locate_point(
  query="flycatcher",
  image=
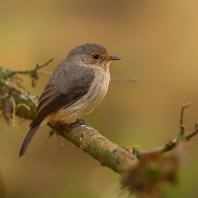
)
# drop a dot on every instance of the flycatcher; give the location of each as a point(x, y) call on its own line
point(76, 87)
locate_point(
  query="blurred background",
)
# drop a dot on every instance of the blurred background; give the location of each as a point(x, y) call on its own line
point(157, 41)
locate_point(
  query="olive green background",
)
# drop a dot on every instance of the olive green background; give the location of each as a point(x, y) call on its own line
point(158, 44)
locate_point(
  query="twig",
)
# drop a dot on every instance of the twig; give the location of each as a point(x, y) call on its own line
point(49, 73)
point(172, 144)
point(25, 94)
point(14, 107)
point(43, 65)
point(23, 105)
point(133, 80)
point(29, 72)
point(192, 134)
point(32, 73)
point(13, 113)
point(45, 73)
point(182, 127)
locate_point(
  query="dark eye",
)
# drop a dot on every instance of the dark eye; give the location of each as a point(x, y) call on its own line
point(96, 56)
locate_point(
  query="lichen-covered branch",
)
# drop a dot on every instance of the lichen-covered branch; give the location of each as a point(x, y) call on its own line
point(142, 171)
point(92, 142)
point(13, 95)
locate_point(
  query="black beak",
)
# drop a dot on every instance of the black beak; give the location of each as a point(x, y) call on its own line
point(113, 58)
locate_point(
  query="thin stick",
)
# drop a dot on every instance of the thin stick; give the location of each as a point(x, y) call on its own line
point(172, 144)
point(133, 80)
point(59, 138)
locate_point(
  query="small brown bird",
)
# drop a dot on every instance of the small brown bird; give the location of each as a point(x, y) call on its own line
point(76, 87)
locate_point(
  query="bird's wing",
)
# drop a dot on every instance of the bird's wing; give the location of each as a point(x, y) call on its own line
point(66, 86)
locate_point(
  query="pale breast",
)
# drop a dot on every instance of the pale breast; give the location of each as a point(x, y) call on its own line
point(87, 103)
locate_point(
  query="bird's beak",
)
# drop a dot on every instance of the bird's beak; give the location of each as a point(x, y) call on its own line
point(113, 58)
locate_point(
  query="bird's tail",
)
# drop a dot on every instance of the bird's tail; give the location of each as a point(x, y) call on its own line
point(28, 139)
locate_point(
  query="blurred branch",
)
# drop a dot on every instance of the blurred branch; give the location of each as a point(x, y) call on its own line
point(45, 73)
point(2, 186)
point(13, 96)
point(128, 162)
point(132, 80)
point(33, 74)
point(181, 139)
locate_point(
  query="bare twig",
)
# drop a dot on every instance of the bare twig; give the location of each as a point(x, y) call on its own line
point(45, 64)
point(182, 137)
point(25, 94)
point(133, 80)
point(182, 127)
point(192, 134)
point(45, 73)
point(13, 114)
point(34, 73)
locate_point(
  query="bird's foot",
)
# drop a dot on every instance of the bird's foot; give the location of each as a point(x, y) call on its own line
point(78, 122)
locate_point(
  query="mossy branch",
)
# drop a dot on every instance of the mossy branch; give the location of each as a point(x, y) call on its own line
point(132, 164)
point(100, 148)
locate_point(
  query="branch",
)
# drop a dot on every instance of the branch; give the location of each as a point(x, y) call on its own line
point(132, 80)
point(33, 74)
point(130, 163)
point(88, 139)
point(181, 139)
point(100, 148)
point(11, 88)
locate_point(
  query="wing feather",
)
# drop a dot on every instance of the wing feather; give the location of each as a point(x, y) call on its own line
point(65, 87)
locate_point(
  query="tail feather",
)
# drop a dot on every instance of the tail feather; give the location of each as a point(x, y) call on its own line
point(28, 139)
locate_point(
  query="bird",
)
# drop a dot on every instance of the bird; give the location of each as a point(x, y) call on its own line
point(77, 85)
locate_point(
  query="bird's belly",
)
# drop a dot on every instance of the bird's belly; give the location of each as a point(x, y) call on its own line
point(84, 105)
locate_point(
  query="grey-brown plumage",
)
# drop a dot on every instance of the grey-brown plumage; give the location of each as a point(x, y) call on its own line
point(75, 88)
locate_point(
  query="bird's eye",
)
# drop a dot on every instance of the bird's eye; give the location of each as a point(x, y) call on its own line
point(96, 56)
